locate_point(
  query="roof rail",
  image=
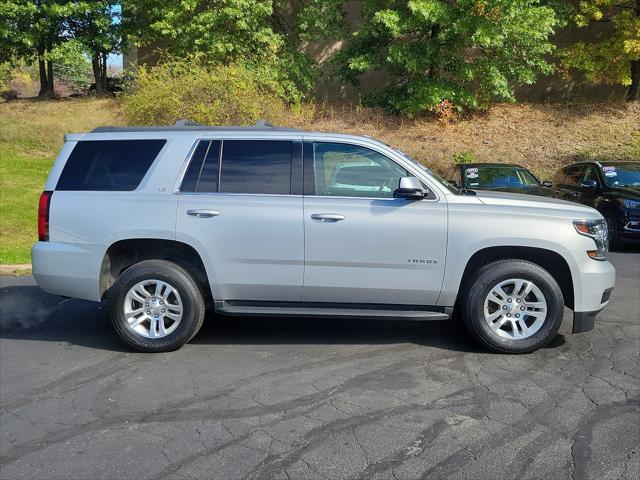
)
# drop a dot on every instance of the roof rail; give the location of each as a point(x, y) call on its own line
point(187, 123)
point(262, 123)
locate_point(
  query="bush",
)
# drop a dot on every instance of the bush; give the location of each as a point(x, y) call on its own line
point(463, 157)
point(208, 94)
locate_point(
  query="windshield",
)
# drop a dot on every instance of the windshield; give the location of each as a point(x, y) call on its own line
point(622, 174)
point(427, 170)
point(496, 176)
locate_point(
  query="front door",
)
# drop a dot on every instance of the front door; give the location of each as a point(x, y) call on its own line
point(362, 245)
point(238, 203)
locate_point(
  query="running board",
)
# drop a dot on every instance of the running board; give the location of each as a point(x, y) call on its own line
point(268, 311)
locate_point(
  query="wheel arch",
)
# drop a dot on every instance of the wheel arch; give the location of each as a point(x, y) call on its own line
point(122, 254)
point(551, 261)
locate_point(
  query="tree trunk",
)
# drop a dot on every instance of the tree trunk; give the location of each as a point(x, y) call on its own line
point(634, 88)
point(632, 93)
point(43, 75)
point(103, 72)
point(50, 88)
point(97, 72)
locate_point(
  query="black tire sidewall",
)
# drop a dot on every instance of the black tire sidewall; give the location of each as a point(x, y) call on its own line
point(496, 272)
point(612, 235)
point(178, 278)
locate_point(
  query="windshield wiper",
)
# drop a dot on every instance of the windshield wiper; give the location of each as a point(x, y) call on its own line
point(466, 191)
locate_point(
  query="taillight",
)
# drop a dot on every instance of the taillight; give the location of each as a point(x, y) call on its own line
point(43, 216)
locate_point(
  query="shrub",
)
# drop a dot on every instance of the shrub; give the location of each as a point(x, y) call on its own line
point(463, 157)
point(209, 94)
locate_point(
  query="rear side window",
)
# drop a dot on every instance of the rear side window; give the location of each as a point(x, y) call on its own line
point(202, 173)
point(256, 166)
point(108, 165)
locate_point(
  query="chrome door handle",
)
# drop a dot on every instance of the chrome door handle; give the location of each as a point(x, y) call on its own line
point(327, 217)
point(203, 213)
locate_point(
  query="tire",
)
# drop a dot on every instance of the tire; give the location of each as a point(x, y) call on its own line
point(540, 329)
point(612, 231)
point(179, 307)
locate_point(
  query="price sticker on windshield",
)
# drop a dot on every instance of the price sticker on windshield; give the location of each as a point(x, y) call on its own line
point(609, 171)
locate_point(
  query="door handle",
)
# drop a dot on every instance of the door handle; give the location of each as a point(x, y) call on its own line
point(203, 213)
point(327, 217)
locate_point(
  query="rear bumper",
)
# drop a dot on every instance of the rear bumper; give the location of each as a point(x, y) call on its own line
point(70, 270)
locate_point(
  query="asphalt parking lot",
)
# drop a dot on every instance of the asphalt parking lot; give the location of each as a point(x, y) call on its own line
point(298, 399)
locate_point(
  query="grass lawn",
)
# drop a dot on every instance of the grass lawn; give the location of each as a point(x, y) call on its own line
point(31, 134)
point(539, 137)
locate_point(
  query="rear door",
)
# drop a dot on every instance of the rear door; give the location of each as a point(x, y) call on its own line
point(238, 203)
point(362, 245)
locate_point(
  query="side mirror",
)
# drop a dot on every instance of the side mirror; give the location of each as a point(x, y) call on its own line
point(410, 188)
point(547, 184)
point(589, 185)
point(454, 183)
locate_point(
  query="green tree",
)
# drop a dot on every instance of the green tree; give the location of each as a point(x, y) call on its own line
point(96, 24)
point(255, 32)
point(467, 52)
point(614, 59)
point(32, 29)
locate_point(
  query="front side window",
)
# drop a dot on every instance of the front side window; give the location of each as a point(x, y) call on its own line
point(591, 174)
point(108, 165)
point(574, 176)
point(347, 170)
point(256, 166)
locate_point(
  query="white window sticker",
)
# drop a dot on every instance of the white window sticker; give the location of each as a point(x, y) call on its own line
point(610, 174)
point(608, 169)
point(471, 172)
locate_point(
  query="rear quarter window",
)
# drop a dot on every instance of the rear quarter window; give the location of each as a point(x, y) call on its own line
point(108, 165)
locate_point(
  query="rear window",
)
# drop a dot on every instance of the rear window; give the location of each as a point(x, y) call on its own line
point(108, 165)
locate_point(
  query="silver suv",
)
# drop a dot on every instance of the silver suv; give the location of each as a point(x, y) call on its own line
point(165, 222)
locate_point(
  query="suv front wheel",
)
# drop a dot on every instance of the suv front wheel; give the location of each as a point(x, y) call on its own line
point(156, 306)
point(513, 306)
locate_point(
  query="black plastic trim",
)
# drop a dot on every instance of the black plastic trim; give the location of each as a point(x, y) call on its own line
point(584, 321)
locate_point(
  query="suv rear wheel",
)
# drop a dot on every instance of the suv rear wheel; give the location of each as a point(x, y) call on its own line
point(513, 306)
point(156, 306)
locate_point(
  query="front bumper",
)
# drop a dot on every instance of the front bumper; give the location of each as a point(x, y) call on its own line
point(584, 321)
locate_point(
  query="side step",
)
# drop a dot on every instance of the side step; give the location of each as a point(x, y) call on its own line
point(225, 308)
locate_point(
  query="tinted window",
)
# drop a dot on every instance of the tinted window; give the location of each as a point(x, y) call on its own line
point(574, 175)
point(116, 165)
point(353, 171)
point(202, 173)
point(256, 166)
point(591, 174)
point(498, 176)
point(558, 178)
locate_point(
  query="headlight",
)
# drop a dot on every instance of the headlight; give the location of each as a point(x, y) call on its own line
point(631, 204)
point(597, 230)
